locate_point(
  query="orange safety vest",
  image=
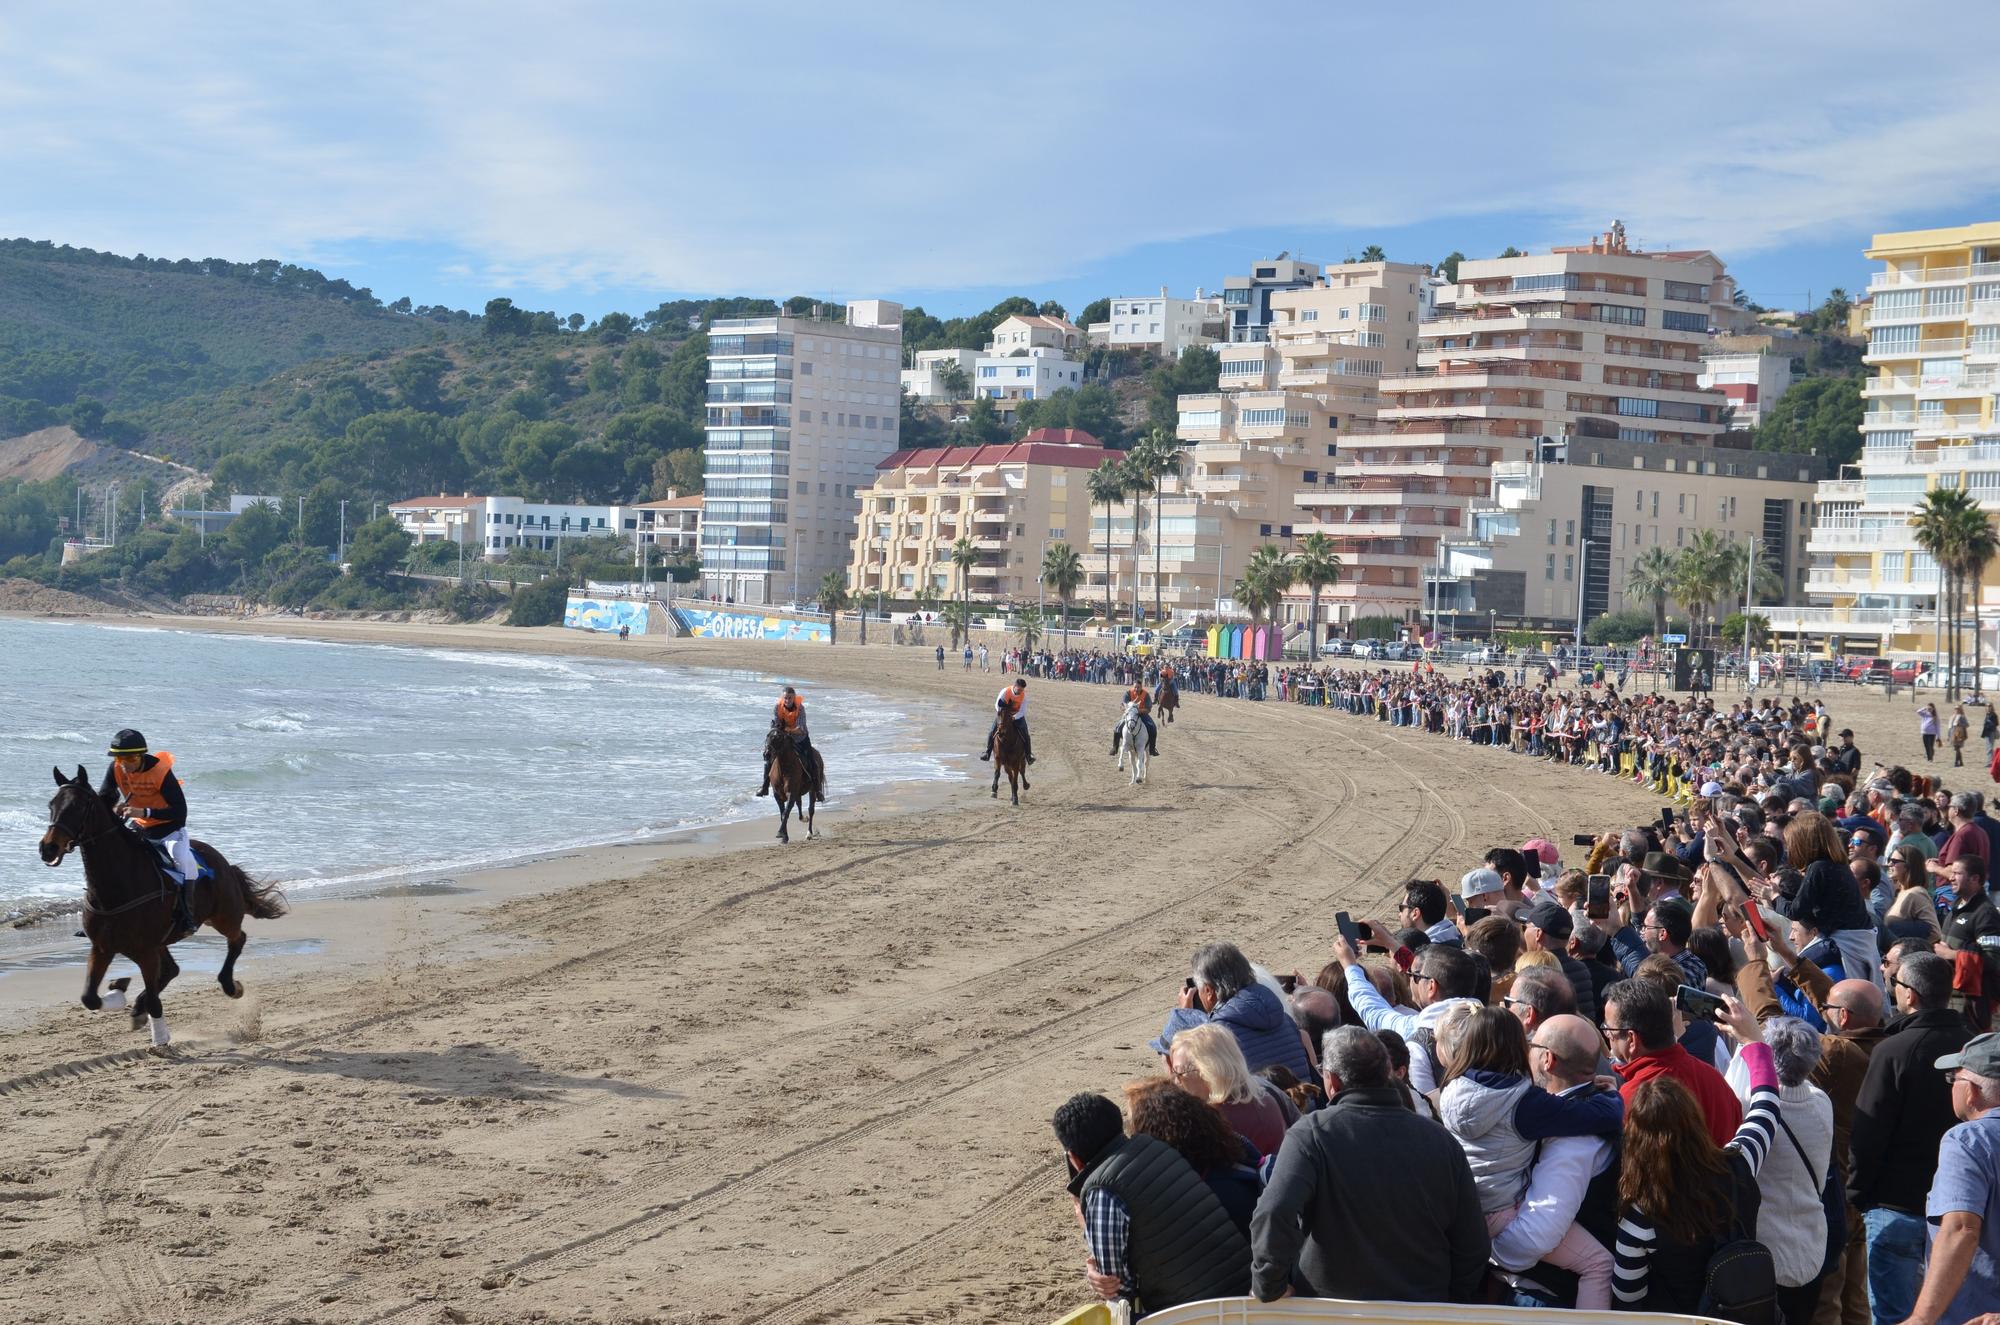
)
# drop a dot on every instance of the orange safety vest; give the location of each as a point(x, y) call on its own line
point(1137, 694)
point(1166, 673)
point(1010, 700)
point(789, 714)
point(142, 789)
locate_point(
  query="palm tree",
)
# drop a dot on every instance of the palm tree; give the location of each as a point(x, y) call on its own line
point(1701, 574)
point(1978, 544)
point(1062, 571)
point(958, 620)
point(1030, 623)
point(1156, 456)
point(1316, 566)
point(954, 381)
point(1108, 485)
point(1265, 578)
point(965, 557)
point(1941, 522)
point(1652, 578)
point(833, 597)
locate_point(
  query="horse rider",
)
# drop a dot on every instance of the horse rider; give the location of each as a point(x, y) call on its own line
point(1012, 699)
point(1136, 693)
point(152, 802)
point(791, 711)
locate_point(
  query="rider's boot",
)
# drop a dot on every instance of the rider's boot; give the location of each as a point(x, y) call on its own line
point(987, 757)
point(184, 924)
point(1114, 744)
point(764, 787)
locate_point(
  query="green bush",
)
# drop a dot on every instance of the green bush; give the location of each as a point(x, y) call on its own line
point(539, 604)
point(1375, 627)
point(465, 601)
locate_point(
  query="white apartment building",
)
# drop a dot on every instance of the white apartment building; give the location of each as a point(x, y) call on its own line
point(1751, 383)
point(799, 412)
point(1167, 326)
point(495, 525)
point(1029, 359)
point(926, 377)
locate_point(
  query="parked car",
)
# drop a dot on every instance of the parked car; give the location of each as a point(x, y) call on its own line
point(1484, 656)
point(1408, 651)
point(1336, 647)
point(1986, 679)
point(1368, 648)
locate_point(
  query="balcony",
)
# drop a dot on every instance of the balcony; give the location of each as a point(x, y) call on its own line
point(1888, 418)
point(1914, 349)
point(1891, 280)
point(1875, 620)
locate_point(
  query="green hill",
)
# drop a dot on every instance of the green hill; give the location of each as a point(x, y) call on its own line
point(86, 335)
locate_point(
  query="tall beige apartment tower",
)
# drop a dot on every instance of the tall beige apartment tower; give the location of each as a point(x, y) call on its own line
point(1593, 341)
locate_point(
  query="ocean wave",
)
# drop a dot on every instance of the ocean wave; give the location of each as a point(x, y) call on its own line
point(276, 722)
point(43, 736)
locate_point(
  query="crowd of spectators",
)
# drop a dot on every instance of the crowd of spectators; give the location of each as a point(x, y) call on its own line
point(1737, 1063)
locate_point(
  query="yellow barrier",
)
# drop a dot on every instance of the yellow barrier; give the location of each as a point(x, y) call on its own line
point(1327, 1311)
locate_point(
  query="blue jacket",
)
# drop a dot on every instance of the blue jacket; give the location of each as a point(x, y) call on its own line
point(1264, 1031)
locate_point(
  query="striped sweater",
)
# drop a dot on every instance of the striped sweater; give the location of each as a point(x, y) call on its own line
point(1636, 1234)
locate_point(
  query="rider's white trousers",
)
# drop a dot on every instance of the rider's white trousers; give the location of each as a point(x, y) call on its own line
point(176, 844)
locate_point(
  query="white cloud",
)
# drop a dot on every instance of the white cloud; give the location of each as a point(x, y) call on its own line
point(862, 149)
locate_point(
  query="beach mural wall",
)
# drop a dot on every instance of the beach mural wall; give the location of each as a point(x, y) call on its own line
point(717, 623)
point(606, 614)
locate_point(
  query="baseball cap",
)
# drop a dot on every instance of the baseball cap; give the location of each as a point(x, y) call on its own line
point(1551, 916)
point(1711, 788)
point(1980, 1056)
point(1541, 847)
point(1477, 883)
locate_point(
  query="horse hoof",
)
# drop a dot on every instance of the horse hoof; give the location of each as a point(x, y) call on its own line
point(234, 990)
point(93, 1002)
point(162, 1037)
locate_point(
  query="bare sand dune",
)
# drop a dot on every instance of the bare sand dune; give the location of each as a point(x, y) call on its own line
point(790, 1084)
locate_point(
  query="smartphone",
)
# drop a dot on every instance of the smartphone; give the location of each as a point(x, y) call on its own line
point(1289, 983)
point(1755, 919)
point(1699, 1005)
point(1667, 819)
point(1348, 929)
point(1599, 902)
point(1188, 984)
point(1457, 904)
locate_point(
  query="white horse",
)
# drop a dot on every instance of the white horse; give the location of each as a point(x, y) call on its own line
point(1132, 741)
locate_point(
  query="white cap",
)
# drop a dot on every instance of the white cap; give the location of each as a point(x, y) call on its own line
point(1479, 882)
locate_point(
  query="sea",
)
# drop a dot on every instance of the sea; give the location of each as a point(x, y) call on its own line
point(329, 766)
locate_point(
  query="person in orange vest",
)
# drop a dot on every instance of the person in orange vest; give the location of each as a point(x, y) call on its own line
point(791, 711)
point(150, 799)
point(1012, 699)
point(1136, 694)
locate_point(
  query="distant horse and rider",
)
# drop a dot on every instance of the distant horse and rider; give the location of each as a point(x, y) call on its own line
point(1131, 741)
point(1167, 695)
point(133, 907)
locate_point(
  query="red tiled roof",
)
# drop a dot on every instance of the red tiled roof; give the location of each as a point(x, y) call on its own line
point(1062, 437)
point(670, 504)
point(435, 503)
point(1030, 451)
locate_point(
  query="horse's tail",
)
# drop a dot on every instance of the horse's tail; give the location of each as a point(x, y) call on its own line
point(262, 900)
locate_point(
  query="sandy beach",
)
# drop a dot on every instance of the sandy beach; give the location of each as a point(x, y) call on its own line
point(725, 1080)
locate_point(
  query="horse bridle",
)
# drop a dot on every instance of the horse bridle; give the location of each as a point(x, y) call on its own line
point(75, 840)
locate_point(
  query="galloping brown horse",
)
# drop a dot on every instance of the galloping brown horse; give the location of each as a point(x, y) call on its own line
point(1010, 755)
point(793, 785)
point(128, 904)
point(1167, 698)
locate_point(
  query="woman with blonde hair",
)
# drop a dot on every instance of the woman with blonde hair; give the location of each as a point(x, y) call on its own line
point(1535, 957)
point(1207, 1063)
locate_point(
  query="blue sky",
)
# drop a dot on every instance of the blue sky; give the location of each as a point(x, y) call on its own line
point(591, 157)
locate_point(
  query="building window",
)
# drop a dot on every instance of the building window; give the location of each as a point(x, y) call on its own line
point(1549, 567)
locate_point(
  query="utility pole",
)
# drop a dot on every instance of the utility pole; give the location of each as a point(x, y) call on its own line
point(340, 550)
point(1749, 595)
point(302, 521)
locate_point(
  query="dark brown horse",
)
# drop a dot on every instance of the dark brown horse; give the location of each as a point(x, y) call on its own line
point(128, 904)
point(1010, 755)
point(793, 786)
point(1167, 698)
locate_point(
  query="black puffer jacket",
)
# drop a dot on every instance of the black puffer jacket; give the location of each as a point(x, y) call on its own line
point(1184, 1247)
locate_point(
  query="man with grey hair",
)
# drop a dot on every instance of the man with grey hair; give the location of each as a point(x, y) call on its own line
point(1539, 993)
point(1223, 988)
point(1963, 1207)
point(1366, 1200)
point(1573, 1179)
point(1903, 1111)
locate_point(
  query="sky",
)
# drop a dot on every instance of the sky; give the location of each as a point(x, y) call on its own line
point(589, 157)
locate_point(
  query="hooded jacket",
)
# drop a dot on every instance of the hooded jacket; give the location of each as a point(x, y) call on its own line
point(1264, 1031)
point(1501, 1119)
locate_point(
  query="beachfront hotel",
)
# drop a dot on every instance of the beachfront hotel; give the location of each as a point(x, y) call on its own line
point(1012, 500)
point(1534, 356)
point(1934, 355)
point(800, 409)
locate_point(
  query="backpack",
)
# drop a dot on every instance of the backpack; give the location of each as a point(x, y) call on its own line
point(1739, 1283)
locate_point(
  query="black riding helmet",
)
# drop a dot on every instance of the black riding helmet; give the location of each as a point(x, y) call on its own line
point(128, 742)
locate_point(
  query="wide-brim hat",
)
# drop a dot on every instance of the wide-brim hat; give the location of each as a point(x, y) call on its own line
point(1663, 865)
